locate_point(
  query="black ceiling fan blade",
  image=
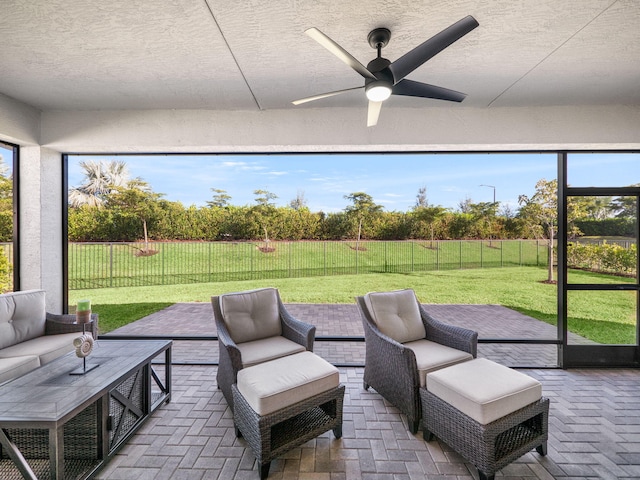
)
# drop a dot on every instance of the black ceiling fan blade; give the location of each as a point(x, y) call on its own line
point(411, 60)
point(324, 95)
point(339, 52)
point(417, 89)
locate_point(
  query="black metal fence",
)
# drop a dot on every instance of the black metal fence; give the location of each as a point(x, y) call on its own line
point(104, 265)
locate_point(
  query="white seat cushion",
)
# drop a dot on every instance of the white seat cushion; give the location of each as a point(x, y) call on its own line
point(266, 349)
point(484, 390)
point(251, 315)
point(277, 384)
point(46, 347)
point(22, 316)
point(17, 366)
point(432, 356)
point(396, 314)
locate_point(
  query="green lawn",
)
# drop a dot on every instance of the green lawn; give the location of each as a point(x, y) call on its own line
point(519, 288)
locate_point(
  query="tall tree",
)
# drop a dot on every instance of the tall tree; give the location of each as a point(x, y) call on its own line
point(220, 199)
point(363, 207)
point(596, 208)
point(265, 209)
point(264, 198)
point(100, 179)
point(540, 213)
point(138, 199)
point(484, 213)
point(429, 215)
point(363, 204)
point(625, 207)
point(299, 202)
point(421, 198)
point(464, 206)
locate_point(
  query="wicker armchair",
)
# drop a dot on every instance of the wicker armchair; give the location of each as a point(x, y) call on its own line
point(403, 344)
point(254, 327)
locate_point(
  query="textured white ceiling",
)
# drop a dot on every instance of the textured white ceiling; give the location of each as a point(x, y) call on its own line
point(254, 55)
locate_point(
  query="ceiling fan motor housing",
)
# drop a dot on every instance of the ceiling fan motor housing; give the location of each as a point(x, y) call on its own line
point(379, 67)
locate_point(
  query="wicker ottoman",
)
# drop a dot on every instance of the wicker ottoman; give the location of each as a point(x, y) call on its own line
point(488, 413)
point(283, 403)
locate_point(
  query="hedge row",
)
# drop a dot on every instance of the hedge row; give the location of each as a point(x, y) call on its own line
point(605, 257)
point(608, 227)
point(174, 222)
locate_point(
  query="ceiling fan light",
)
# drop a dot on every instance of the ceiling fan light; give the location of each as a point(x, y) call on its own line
point(378, 91)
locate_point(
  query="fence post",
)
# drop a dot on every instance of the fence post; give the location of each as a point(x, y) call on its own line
point(162, 254)
point(460, 244)
point(501, 253)
point(110, 264)
point(413, 246)
point(324, 244)
point(386, 261)
point(481, 253)
point(210, 262)
point(520, 252)
point(437, 255)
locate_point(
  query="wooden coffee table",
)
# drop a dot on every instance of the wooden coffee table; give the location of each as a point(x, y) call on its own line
point(57, 425)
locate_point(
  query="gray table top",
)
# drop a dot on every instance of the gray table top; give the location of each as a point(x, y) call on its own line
point(51, 395)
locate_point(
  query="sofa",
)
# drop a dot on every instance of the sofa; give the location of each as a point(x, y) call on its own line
point(30, 336)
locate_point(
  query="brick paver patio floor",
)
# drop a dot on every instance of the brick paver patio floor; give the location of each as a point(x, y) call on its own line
point(594, 423)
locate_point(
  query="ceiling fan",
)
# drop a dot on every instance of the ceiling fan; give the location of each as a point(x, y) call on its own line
point(383, 78)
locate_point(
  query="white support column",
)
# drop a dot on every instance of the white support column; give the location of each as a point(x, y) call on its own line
point(41, 223)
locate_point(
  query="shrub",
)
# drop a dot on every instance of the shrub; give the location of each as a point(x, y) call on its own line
point(6, 280)
point(605, 257)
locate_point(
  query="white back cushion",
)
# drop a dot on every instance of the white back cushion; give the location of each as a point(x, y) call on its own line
point(396, 314)
point(22, 316)
point(251, 315)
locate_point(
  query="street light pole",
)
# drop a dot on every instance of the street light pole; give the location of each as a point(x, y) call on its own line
point(494, 191)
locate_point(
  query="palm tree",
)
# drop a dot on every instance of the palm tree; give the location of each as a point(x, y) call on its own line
point(101, 179)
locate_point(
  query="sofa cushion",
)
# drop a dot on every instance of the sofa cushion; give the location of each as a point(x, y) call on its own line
point(432, 356)
point(465, 387)
point(22, 316)
point(266, 349)
point(46, 347)
point(14, 367)
point(280, 383)
point(251, 315)
point(396, 314)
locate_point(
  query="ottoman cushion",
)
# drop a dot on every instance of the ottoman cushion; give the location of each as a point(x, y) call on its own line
point(484, 390)
point(282, 382)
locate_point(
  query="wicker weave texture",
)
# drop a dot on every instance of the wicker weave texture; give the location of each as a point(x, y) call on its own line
point(391, 368)
point(80, 453)
point(126, 415)
point(489, 447)
point(272, 435)
point(56, 324)
point(80, 438)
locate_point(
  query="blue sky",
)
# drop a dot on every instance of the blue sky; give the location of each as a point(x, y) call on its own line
point(392, 180)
